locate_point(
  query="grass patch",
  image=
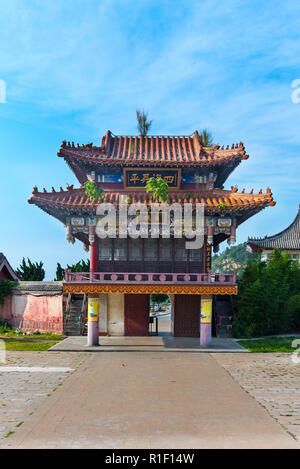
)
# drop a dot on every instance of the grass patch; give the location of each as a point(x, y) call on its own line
point(8, 434)
point(29, 343)
point(271, 344)
point(47, 336)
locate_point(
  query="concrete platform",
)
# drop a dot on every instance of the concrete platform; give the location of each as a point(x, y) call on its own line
point(165, 342)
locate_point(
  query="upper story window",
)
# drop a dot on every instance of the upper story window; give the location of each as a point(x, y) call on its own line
point(150, 248)
point(120, 249)
point(135, 249)
point(105, 249)
point(195, 254)
point(165, 249)
point(180, 250)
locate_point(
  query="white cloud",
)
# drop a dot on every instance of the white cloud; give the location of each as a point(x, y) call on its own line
point(227, 66)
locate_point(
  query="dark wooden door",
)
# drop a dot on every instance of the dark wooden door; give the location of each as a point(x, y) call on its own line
point(137, 315)
point(187, 316)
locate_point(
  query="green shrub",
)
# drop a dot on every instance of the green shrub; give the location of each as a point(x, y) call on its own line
point(5, 289)
point(293, 308)
point(4, 328)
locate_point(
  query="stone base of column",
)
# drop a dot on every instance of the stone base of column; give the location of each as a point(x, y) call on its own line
point(93, 334)
point(205, 335)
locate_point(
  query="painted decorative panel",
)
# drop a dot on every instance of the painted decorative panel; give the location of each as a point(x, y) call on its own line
point(110, 176)
point(193, 178)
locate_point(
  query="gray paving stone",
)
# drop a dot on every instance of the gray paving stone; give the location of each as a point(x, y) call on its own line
point(22, 393)
point(273, 380)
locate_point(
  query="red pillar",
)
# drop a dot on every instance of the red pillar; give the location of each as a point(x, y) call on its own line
point(93, 300)
point(94, 255)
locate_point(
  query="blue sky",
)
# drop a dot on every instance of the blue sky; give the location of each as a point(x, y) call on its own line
point(74, 69)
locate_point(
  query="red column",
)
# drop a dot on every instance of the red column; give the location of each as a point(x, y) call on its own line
point(94, 255)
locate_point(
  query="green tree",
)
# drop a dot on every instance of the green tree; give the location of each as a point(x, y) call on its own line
point(159, 188)
point(268, 298)
point(159, 297)
point(143, 124)
point(5, 288)
point(60, 272)
point(205, 138)
point(233, 258)
point(31, 271)
point(81, 266)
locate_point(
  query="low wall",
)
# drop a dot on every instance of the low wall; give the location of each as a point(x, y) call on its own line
point(34, 306)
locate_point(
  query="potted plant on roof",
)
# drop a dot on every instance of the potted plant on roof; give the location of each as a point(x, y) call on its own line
point(159, 188)
point(93, 191)
point(222, 206)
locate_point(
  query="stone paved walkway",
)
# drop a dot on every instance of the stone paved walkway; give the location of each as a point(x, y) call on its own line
point(273, 380)
point(157, 400)
point(22, 392)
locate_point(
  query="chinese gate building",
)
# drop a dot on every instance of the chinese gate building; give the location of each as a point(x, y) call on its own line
point(125, 271)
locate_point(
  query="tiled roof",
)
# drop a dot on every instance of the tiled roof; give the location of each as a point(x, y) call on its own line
point(152, 151)
point(37, 288)
point(6, 267)
point(286, 239)
point(77, 201)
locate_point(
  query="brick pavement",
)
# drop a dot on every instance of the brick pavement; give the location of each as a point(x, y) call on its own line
point(273, 380)
point(22, 392)
point(152, 400)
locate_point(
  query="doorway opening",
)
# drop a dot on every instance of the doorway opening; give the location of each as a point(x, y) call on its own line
point(160, 318)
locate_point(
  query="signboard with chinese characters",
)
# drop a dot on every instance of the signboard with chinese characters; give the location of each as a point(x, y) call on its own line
point(137, 178)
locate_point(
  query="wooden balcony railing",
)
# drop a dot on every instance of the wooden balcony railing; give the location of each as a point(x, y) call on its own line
point(146, 277)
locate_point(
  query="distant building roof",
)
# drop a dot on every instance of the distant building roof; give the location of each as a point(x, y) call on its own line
point(6, 271)
point(286, 239)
